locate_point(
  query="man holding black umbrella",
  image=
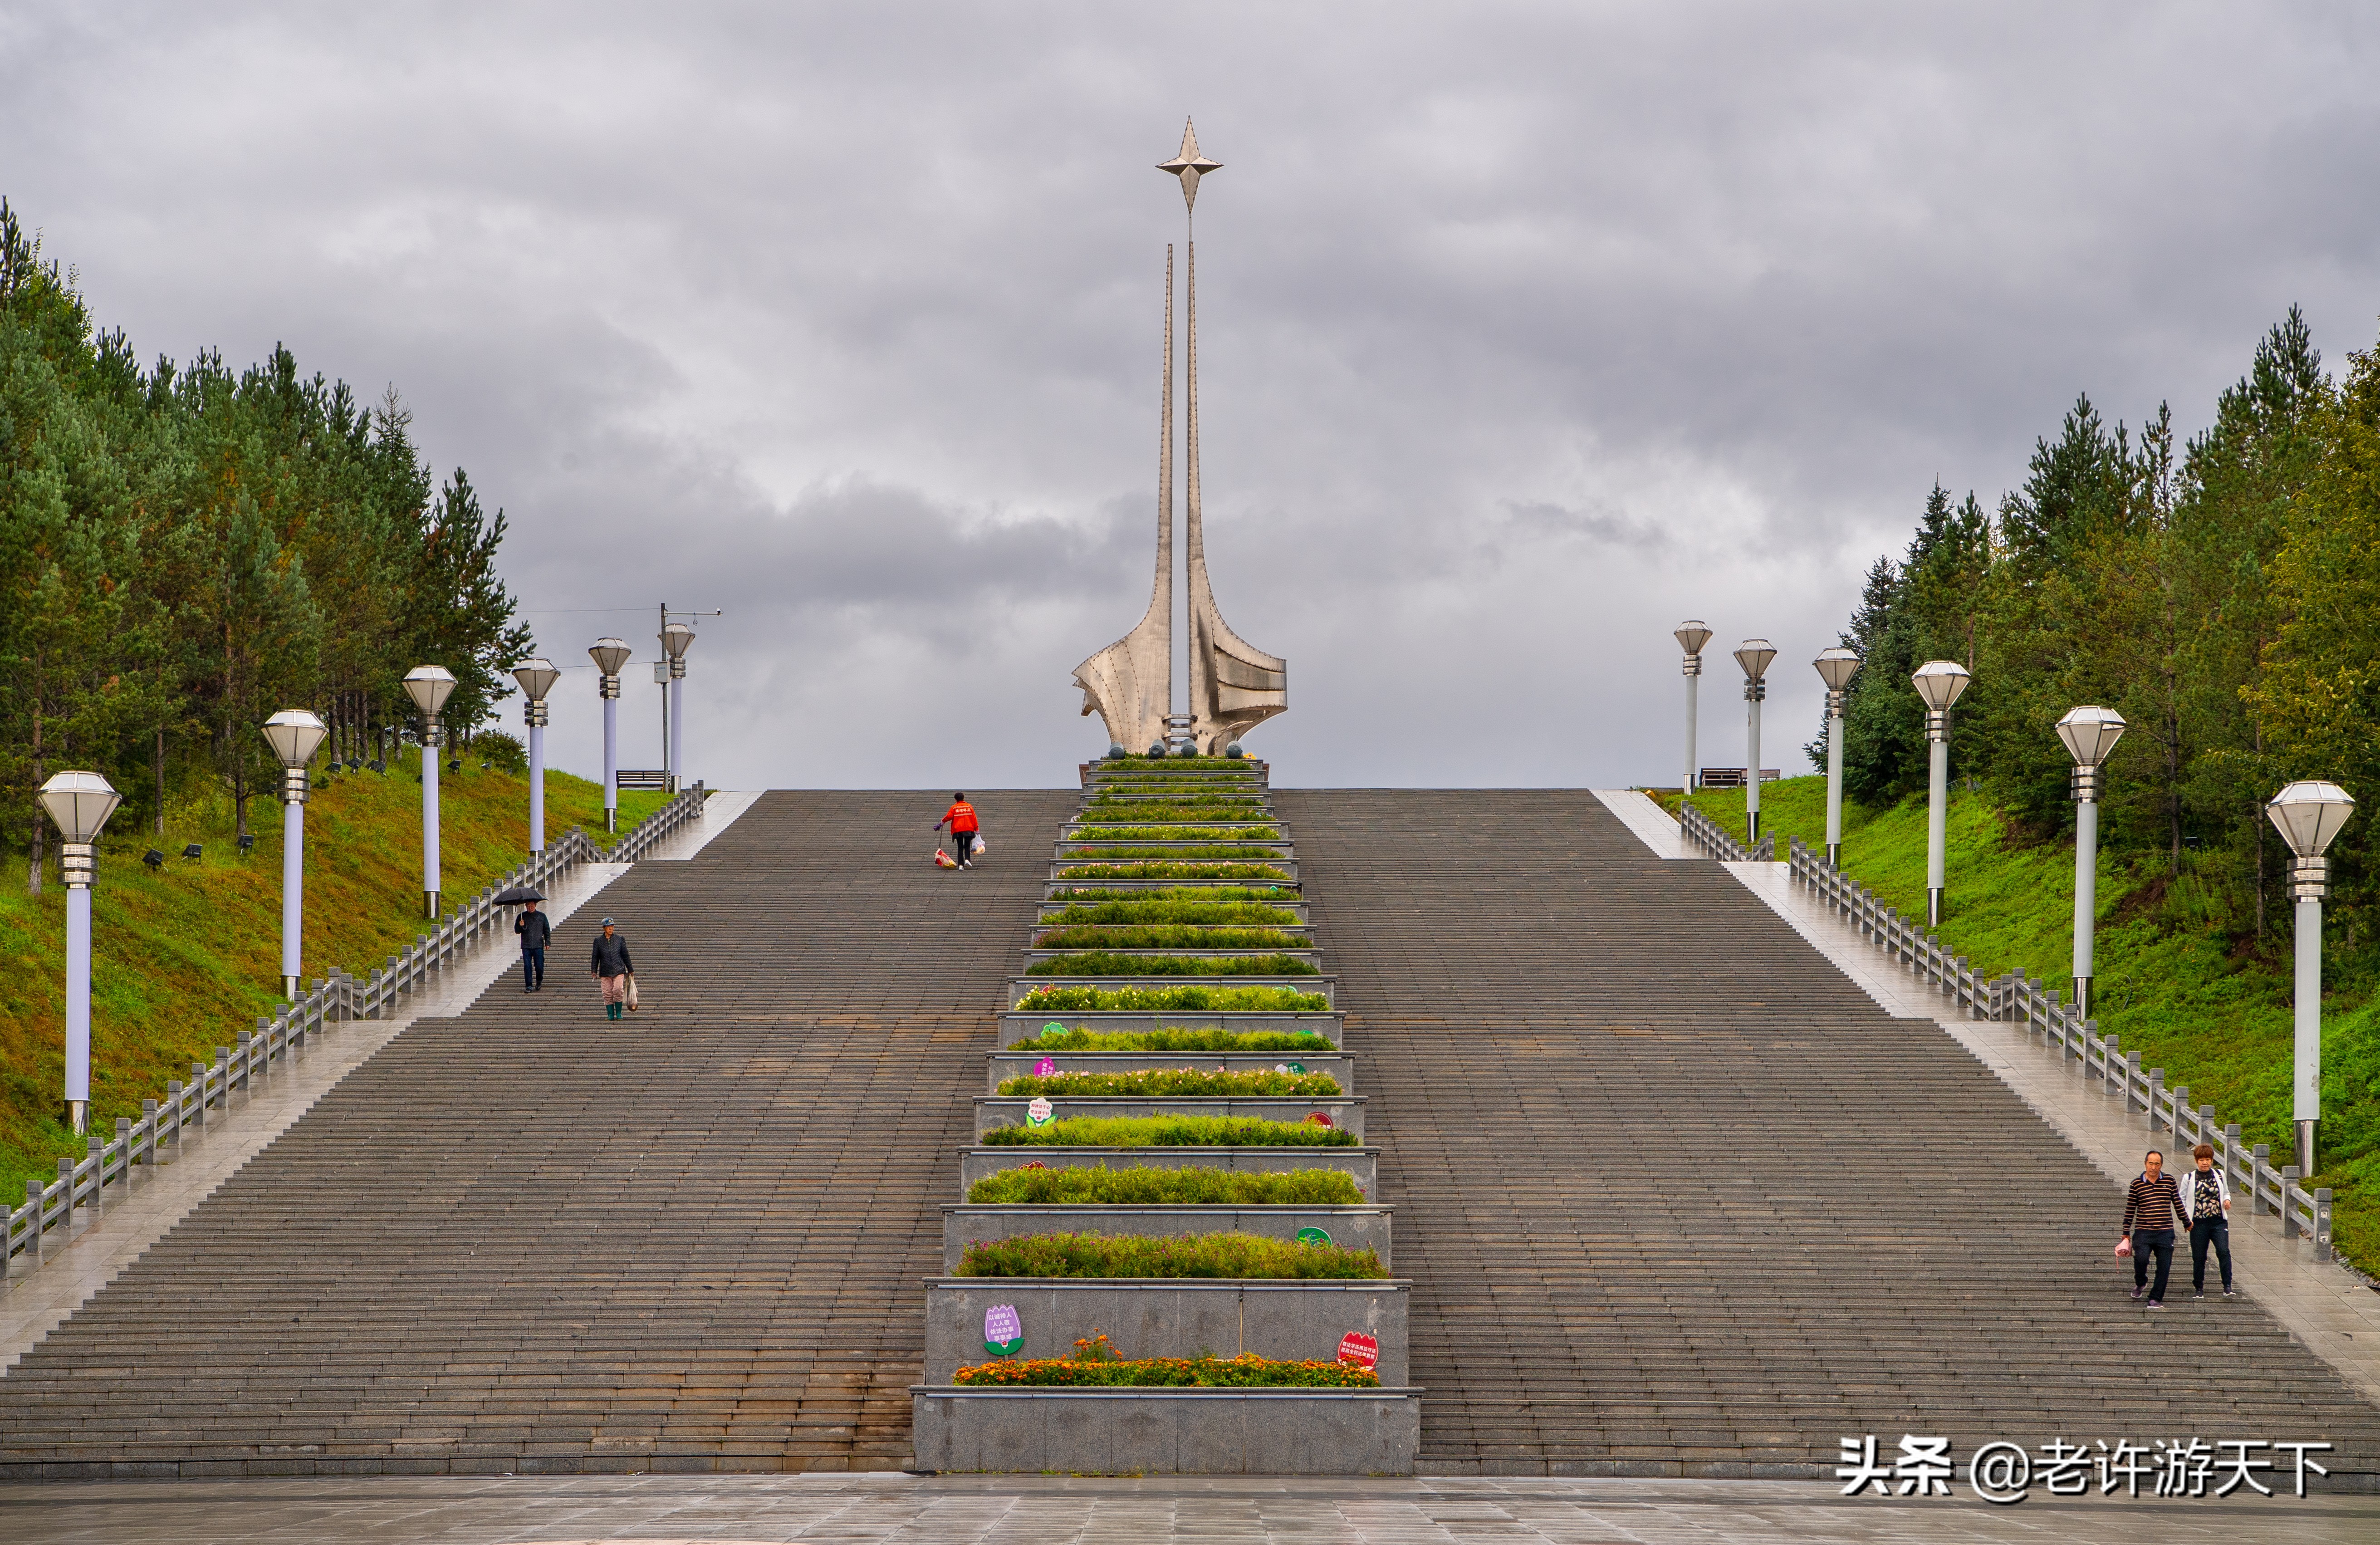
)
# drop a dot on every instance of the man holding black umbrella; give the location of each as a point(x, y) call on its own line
point(535, 929)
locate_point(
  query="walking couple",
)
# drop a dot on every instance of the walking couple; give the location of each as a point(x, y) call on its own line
point(2158, 1205)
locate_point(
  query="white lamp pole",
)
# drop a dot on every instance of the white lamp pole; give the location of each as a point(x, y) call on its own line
point(2089, 733)
point(1692, 637)
point(610, 655)
point(428, 685)
point(1835, 667)
point(537, 677)
point(2309, 814)
point(293, 735)
point(1754, 656)
point(1939, 681)
point(675, 637)
point(80, 804)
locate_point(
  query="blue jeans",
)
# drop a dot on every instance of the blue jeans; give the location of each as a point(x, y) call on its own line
point(2148, 1242)
point(2203, 1232)
point(532, 969)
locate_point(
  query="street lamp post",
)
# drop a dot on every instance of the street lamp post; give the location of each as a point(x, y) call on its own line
point(675, 637)
point(1835, 667)
point(1692, 637)
point(2309, 814)
point(428, 685)
point(293, 735)
point(80, 803)
point(610, 655)
point(1939, 681)
point(537, 677)
point(2089, 733)
point(1754, 656)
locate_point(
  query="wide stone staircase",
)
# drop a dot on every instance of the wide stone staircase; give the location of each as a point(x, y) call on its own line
point(1676, 1195)
point(527, 1239)
point(1672, 1194)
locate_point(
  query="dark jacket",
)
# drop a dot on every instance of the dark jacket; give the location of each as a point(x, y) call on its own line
point(534, 928)
point(612, 956)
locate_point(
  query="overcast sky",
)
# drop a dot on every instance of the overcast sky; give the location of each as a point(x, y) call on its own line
point(1527, 330)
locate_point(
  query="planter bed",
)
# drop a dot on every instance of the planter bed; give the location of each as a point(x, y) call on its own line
point(1346, 1112)
point(1326, 987)
point(1271, 871)
point(1176, 1082)
point(1162, 1431)
point(1209, 831)
point(1017, 1064)
point(1273, 960)
point(1194, 938)
point(1016, 1027)
point(1293, 1320)
point(1221, 850)
point(1359, 1228)
point(1361, 1163)
point(1295, 914)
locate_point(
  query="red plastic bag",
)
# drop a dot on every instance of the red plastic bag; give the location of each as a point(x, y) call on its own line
point(943, 861)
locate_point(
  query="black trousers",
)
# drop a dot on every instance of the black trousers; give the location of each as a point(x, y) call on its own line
point(532, 969)
point(2205, 1230)
point(964, 843)
point(2156, 1242)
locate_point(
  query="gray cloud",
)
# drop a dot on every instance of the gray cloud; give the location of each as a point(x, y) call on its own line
point(1527, 329)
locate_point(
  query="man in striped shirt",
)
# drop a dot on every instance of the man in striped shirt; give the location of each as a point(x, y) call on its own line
point(2150, 1210)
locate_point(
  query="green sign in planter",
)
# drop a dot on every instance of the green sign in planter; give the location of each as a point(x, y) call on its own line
point(1313, 1236)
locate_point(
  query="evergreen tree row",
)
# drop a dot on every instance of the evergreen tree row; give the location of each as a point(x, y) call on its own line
point(2223, 595)
point(184, 552)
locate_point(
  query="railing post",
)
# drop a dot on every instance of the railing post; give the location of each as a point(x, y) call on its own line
point(2257, 1165)
point(2322, 1224)
point(2131, 1076)
point(148, 1108)
point(2290, 1178)
point(2157, 1092)
point(2180, 1112)
point(2231, 1151)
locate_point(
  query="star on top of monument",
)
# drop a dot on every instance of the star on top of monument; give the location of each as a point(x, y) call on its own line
point(1189, 165)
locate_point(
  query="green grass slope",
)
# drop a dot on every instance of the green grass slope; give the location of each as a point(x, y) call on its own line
point(185, 958)
point(2174, 983)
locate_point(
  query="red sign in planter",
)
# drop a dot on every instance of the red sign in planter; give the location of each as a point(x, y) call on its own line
point(1360, 1349)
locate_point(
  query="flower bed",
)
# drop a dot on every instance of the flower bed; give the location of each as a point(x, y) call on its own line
point(1105, 963)
point(1163, 908)
point(1267, 897)
point(1183, 806)
point(1180, 1082)
point(1096, 1363)
point(1097, 1185)
point(1215, 852)
point(1160, 1000)
point(1175, 870)
point(1235, 1256)
point(1170, 1132)
point(1163, 936)
point(1177, 1041)
point(1175, 834)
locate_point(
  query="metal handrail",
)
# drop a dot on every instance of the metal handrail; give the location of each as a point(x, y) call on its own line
point(1707, 833)
point(340, 996)
point(2021, 998)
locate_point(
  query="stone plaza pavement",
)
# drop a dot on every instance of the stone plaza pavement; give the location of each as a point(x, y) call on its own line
point(1021, 1510)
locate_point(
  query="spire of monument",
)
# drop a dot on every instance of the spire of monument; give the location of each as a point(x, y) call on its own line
point(1189, 165)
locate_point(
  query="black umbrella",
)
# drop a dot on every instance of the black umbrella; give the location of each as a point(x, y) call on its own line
point(519, 894)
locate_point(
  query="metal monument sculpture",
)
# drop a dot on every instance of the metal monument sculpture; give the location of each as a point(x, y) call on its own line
point(1233, 686)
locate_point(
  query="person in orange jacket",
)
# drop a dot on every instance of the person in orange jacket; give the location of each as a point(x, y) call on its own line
point(960, 819)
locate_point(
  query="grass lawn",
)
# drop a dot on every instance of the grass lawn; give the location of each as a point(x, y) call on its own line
point(186, 956)
point(2173, 982)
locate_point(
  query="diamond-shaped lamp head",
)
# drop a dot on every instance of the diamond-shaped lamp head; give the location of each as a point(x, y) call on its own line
point(1692, 637)
point(2089, 733)
point(428, 685)
point(1835, 666)
point(1939, 681)
point(609, 655)
point(80, 803)
point(2309, 814)
point(294, 733)
point(1754, 657)
point(675, 639)
point(537, 677)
